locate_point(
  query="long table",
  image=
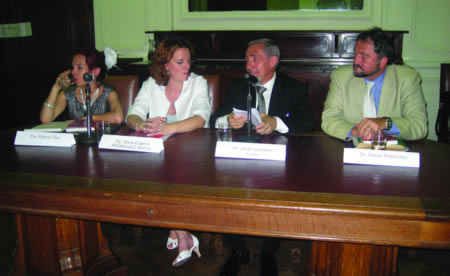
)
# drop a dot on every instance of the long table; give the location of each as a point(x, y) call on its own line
point(356, 216)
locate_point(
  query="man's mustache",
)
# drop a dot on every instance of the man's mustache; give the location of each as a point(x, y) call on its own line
point(357, 66)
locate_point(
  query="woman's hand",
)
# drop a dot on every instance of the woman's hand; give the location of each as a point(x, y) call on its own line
point(152, 126)
point(63, 80)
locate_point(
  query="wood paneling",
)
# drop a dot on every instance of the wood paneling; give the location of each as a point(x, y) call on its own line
point(329, 258)
point(31, 64)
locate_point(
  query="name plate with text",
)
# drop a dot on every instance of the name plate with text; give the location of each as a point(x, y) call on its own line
point(132, 143)
point(382, 157)
point(47, 139)
point(251, 150)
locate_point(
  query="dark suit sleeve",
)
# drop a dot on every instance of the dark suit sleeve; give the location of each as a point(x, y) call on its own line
point(236, 97)
point(290, 102)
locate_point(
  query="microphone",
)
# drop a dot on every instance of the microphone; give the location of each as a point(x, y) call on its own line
point(252, 80)
point(88, 77)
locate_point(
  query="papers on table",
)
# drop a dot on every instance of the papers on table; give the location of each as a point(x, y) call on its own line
point(79, 126)
point(393, 143)
point(395, 154)
point(67, 126)
point(50, 127)
point(390, 140)
point(41, 136)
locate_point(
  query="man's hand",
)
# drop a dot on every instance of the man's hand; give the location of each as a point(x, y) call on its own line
point(268, 125)
point(367, 126)
point(236, 121)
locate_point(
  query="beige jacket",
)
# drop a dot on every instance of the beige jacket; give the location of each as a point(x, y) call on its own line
point(401, 99)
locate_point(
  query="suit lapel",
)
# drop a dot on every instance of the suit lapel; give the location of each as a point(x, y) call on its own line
point(387, 90)
point(357, 96)
point(276, 99)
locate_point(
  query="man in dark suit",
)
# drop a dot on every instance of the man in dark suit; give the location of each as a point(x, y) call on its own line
point(286, 101)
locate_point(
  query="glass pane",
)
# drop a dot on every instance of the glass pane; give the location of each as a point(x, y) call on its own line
point(274, 5)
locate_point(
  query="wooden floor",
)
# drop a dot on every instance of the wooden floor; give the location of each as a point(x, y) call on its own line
point(148, 256)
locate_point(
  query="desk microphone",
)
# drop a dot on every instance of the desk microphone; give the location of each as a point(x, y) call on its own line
point(88, 78)
point(252, 80)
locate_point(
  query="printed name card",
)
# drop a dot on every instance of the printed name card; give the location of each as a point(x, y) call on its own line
point(382, 157)
point(132, 143)
point(32, 138)
point(251, 150)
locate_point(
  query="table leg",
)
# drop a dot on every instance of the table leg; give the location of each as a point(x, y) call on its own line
point(333, 258)
point(60, 246)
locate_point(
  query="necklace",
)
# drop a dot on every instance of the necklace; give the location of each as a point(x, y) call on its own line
point(93, 98)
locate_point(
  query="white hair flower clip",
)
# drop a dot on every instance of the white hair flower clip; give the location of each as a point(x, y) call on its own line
point(110, 57)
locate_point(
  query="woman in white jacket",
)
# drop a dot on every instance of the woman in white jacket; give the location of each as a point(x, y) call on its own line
point(172, 100)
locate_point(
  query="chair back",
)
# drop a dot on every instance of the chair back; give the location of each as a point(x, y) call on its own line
point(443, 117)
point(126, 87)
point(213, 81)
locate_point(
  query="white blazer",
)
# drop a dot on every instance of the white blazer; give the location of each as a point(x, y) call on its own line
point(193, 101)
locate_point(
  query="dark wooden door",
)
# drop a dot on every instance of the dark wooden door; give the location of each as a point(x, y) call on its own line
point(29, 65)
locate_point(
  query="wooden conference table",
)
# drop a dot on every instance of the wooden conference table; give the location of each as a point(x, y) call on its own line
point(356, 216)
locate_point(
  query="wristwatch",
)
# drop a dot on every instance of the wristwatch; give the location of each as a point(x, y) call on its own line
point(388, 123)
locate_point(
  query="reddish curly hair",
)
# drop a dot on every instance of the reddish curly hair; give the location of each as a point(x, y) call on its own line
point(163, 54)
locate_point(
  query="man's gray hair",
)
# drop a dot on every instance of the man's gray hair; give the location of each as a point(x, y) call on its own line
point(270, 48)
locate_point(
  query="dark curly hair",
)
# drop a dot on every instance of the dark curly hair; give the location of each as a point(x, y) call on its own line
point(383, 43)
point(94, 59)
point(164, 53)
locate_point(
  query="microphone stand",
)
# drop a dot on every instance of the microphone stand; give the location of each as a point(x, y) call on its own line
point(250, 138)
point(90, 138)
point(88, 110)
point(249, 109)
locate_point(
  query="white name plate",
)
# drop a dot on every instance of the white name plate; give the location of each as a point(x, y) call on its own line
point(382, 157)
point(27, 138)
point(132, 143)
point(251, 150)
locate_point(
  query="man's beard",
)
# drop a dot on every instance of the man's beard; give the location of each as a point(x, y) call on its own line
point(363, 74)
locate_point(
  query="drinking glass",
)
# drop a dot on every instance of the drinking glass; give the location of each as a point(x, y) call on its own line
point(224, 132)
point(65, 82)
point(102, 127)
point(378, 140)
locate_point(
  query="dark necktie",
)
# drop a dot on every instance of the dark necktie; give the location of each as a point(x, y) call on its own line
point(261, 101)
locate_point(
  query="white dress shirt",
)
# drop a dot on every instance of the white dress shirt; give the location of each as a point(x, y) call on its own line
point(152, 102)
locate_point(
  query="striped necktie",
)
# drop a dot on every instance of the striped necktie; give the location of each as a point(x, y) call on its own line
point(261, 101)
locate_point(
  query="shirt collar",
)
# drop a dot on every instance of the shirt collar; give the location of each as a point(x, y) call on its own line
point(269, 85)
point(378, 81)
